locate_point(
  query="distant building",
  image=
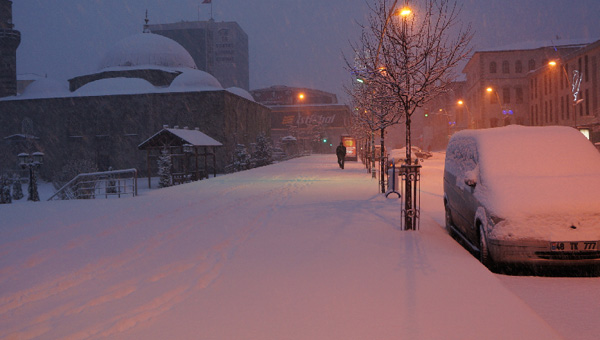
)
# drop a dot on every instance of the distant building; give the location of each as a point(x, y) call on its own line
point(9, 41)
point(219, 48)
point(567, 91)
point(520, 86)
point(312, 117)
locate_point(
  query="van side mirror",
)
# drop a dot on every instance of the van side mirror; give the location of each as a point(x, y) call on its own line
point(471, 177)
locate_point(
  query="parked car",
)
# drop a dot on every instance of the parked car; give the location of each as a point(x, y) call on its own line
point(399, 155)
point(524, 195)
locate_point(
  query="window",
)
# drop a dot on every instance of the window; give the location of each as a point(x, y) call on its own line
point(587, 102)
point(519, 95)
point(562, 108)
point(493, 67)
point(505, 67)
point(585, 69)
point(518, 67)
point(506, 95)
point(531, 65)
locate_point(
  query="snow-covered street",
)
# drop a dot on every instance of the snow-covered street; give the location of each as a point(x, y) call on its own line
point(295, 250)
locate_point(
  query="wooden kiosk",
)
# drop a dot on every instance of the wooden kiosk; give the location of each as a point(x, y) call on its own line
point(185, 147)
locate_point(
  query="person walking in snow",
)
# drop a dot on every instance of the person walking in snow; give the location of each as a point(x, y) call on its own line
point(340, 151)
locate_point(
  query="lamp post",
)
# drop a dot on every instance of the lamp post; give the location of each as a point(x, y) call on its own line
point(470, 124)
point(506, 112)
point(300, 99)
point(575, 86)
point(32, 162)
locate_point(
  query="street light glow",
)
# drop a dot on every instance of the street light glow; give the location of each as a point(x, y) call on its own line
point(489, 89)
point(301, 96)
point(460, 102)
point(405, 11)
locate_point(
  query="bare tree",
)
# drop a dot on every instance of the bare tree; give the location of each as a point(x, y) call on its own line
point(411, 57)
point(375, 110)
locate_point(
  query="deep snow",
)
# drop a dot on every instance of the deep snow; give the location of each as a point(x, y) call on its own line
point(296, 250)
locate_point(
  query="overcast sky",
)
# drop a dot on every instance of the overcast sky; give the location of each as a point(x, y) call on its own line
point(292, 42)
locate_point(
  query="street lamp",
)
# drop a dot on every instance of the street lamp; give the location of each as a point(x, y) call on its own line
point(301, 97)
point(575, 86)
point(470, 124)
point(32, 162)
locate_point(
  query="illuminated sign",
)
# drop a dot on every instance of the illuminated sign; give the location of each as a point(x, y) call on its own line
point(350, 144)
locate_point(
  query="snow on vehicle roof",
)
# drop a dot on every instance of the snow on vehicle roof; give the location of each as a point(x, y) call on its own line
point(536, 170)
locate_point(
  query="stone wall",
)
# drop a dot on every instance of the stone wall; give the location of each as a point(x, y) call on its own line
point(108, 129)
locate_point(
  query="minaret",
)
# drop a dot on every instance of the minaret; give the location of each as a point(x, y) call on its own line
point(9, 41)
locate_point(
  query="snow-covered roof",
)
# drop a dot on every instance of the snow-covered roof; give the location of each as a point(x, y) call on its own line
point(194, 80)
point(45, 88)
point(194, 137)
point(531, 45)
point(187, 136)
point(240, 92)
point(115, 86)
point(147, 49)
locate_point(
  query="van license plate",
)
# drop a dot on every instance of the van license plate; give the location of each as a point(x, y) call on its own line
point(574, 246)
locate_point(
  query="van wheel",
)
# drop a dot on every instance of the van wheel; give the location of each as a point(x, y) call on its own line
point(484, 253)
point(448, 219)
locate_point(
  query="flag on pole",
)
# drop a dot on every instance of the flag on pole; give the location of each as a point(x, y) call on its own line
point(206, 1)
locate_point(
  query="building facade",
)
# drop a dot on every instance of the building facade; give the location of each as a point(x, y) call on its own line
point(548, 85)
point(312, 118)
point(566, 92)
point(219, 48)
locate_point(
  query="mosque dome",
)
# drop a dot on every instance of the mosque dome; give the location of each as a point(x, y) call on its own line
point(116, 86)
point(46, 88)
point(195, 80)
point(240, 92)
point(147, 49)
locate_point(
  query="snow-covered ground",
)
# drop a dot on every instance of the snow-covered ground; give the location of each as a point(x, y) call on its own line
point(296, 250)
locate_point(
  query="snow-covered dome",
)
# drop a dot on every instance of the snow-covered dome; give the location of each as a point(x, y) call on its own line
point(46, 88)
point(113, 86)
point(240, 92)
point(146, 49)
point(195, 80)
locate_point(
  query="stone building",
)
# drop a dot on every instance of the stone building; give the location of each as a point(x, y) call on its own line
point(219, 48)
point(145, 82)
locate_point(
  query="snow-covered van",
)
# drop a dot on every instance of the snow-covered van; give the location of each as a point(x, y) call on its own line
point(520, 194)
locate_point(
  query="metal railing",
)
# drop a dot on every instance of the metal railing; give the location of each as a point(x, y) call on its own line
point(107, 184)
